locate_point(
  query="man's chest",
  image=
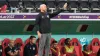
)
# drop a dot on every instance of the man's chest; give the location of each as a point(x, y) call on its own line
point(45, 16)
point(31, 48)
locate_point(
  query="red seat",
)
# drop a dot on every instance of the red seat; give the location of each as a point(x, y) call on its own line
point(52, 39)
point(61, 44)
point(27, 41)
point(19, 41)
point(89, 47)
point(77, 46)
point(4, 45)
point(95, 45)
point(3, 9)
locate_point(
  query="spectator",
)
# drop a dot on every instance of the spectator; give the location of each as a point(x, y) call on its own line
point(31, 49)
point(68, 50)
point(87, 51)
point(11, 50)
point(55, 49)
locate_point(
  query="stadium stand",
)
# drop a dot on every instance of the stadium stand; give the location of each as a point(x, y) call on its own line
point(33, 5)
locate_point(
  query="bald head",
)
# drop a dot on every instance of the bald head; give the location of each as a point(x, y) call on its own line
point(43, 8)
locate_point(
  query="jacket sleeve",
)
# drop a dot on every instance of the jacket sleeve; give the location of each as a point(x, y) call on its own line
point(55, 13)
point(37, 20)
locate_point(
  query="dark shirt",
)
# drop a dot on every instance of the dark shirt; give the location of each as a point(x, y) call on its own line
point(10, 49)
point(98, 54)
point(0, 50)
point(30, 50)
point(43, 21)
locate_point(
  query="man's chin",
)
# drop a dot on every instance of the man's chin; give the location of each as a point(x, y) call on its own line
point(45, 10)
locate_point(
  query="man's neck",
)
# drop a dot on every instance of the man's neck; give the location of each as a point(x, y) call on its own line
point(31, 43)
point(43, 11)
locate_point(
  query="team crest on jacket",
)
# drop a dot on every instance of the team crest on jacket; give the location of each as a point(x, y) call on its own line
point(42, 16)
point(33, 48)
point(47, 16)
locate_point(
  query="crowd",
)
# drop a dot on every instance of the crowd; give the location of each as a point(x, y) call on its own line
point(65, 47)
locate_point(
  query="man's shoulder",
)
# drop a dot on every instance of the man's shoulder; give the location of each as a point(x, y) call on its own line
point(27, 44)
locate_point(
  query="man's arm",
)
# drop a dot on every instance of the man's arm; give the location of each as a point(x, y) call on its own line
point(55, 13)
point(59, 11)
point(10, 53)
point(37, 20)
point(16, 52)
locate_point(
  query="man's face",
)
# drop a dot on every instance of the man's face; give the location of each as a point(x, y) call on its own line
point(69, 41)
point(96, 44)
point(86, 48)
point(11, 43)
point(33, 40)
point(55, 45)
point(44, 8)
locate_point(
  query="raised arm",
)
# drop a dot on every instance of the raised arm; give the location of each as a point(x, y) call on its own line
point(59, 11)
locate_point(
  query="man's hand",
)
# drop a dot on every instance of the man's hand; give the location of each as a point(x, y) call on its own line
point(16, 52)
point(64, 55)
point(65, 6)
point(36, 55)
point(39, 34)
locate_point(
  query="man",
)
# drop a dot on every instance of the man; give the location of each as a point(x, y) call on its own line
point(55, 49)
point(43, 21)
point(68, 50)
point(11, 50)
point(31, 49)
point(87, 51)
